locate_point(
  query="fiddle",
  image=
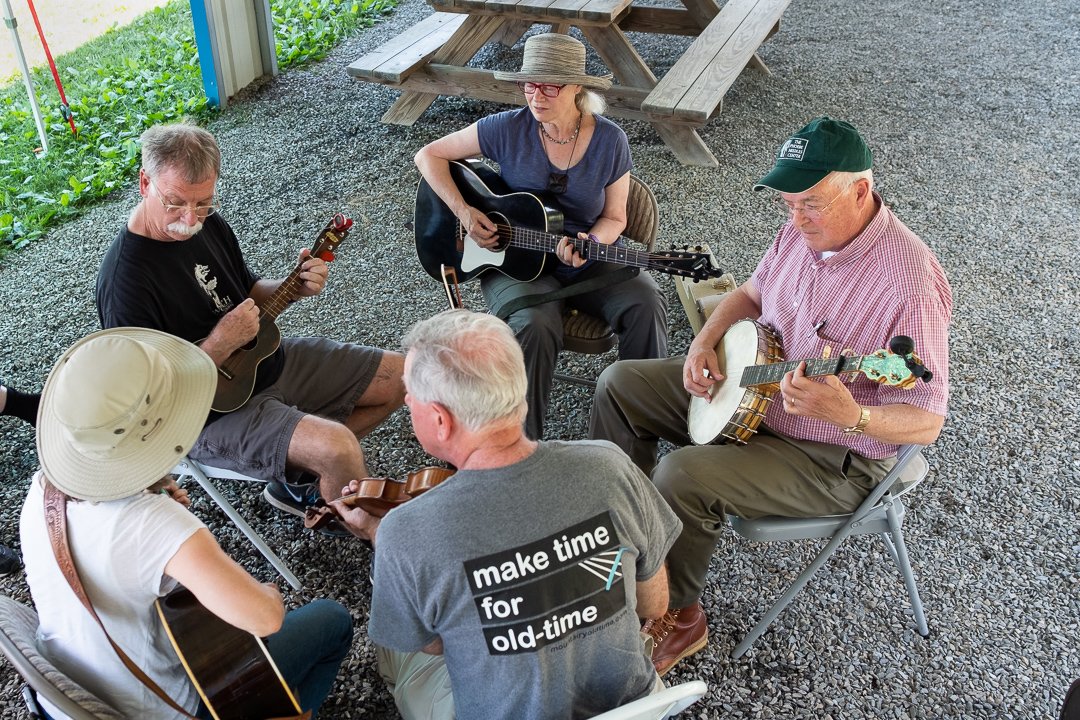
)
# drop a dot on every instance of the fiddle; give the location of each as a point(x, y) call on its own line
point(378, 496)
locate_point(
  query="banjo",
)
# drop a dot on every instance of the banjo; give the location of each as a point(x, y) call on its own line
point(751, 359)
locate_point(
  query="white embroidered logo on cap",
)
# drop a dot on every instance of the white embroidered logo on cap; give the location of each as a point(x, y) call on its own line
point(793, 149)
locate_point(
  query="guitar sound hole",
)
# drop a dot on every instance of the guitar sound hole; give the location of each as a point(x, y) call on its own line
point(505, 230)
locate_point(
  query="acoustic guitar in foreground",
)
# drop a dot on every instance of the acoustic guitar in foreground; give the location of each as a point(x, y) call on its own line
point(528, 233)
point(234, 674)
point(236, 376)
point(752, 361)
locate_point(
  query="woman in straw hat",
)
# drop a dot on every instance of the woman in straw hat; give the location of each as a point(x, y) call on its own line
point(119, 409)
point(561, 147)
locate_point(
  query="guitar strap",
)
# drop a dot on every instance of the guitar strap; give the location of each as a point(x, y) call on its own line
point(588, 285)
point(56, 524)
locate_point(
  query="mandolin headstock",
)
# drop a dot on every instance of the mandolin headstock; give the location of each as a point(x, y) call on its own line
point(331, 236)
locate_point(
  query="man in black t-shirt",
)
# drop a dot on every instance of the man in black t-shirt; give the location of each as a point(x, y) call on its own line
point(177, 266)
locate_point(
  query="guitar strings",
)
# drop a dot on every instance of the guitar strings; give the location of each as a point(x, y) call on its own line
point(537, 236)
point(277, 302)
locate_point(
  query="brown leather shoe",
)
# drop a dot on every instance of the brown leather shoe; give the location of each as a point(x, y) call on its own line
point(678, 634)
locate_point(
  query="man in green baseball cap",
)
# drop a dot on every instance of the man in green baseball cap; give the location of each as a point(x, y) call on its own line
point(843, 275)
point(823, 146)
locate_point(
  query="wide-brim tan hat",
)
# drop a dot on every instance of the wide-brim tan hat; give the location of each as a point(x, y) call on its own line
point(119, 409)
point(556, 59)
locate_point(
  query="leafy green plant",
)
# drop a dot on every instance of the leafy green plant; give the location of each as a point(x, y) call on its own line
point(120, 84)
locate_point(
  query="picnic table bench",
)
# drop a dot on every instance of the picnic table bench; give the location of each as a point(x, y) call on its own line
point(431, 57)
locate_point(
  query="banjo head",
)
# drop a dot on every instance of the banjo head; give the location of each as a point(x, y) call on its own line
point(737, 350)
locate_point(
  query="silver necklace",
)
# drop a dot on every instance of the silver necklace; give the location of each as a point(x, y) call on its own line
point(568, 140)
point(557, 181)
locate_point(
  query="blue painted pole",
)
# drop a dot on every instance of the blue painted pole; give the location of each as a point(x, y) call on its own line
point(200, 16)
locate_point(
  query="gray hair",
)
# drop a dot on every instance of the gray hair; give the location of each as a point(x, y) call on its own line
point(590, 102)
point(184, 147)
point(470, 363)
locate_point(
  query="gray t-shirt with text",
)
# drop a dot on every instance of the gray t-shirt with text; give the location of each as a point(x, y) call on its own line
point(528, 574)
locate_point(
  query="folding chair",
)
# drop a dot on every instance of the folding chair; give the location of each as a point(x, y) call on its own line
point(881, 512)
point(588, 334)
point(46, 686)
point(202, 474)
point(664, 704)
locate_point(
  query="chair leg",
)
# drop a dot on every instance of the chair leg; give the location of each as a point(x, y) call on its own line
point(792, 591)
point(886, 540)
point(904, 564)
point(255, 538)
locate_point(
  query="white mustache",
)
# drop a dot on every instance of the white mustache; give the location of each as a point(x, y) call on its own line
point(182, 228)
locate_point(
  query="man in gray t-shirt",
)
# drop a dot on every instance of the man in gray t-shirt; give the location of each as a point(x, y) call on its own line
point(515, 588)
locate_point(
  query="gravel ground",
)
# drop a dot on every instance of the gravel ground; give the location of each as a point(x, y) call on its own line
point(967, 106)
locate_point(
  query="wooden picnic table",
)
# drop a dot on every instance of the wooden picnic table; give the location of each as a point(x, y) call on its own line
point(431, 58)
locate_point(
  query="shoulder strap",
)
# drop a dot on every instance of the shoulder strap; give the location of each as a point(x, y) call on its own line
point(588, 285)
point(56, 523)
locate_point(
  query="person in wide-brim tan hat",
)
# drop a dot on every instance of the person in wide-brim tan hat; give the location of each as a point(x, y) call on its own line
point(559, 147)
point(119, 409)
point(555, 59)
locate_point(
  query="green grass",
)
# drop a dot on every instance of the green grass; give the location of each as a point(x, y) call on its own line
point(118, 85)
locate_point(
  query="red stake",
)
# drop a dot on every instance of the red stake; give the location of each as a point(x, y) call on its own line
point(65, 110)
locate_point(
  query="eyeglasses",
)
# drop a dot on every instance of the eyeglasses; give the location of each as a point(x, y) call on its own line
point(547, 89)
point(810, 212)
point(200, 211)
point(557, 183)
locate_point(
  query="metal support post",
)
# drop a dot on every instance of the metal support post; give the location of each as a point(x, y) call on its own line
point(12, 23)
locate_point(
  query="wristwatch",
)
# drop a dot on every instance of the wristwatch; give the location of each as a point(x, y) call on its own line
point(857, 428)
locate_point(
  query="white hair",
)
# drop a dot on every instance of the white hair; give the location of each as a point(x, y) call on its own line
point(839, 180)
point(590, 102)
point(470, 363)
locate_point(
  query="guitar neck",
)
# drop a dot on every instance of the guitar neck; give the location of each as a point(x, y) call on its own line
point(288, 291)
point(546, 242)
point(815, 367)
point(327, 241)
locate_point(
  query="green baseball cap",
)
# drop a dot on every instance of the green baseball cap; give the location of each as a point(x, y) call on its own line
point(823, 146)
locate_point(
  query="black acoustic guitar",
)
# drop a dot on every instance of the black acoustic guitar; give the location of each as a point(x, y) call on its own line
point(231, 669)
point(528, 231)
point(236, 376)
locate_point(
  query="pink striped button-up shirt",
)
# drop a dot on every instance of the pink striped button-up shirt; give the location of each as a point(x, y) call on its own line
point(885, 282)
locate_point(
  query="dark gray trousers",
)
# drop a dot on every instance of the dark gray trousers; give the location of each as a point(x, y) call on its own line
point(635, 309)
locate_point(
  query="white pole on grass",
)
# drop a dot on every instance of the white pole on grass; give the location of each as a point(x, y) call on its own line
point(12, 23)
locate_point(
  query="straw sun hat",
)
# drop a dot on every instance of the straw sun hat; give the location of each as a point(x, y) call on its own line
point(119, 408)
point(556, 59)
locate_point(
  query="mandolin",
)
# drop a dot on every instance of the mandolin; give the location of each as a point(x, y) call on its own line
point(231, 669)
point(236, 376)
point(528, 232)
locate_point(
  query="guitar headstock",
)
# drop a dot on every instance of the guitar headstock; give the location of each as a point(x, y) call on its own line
point(331, 236)
point(898, 366)
point(693, 264)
